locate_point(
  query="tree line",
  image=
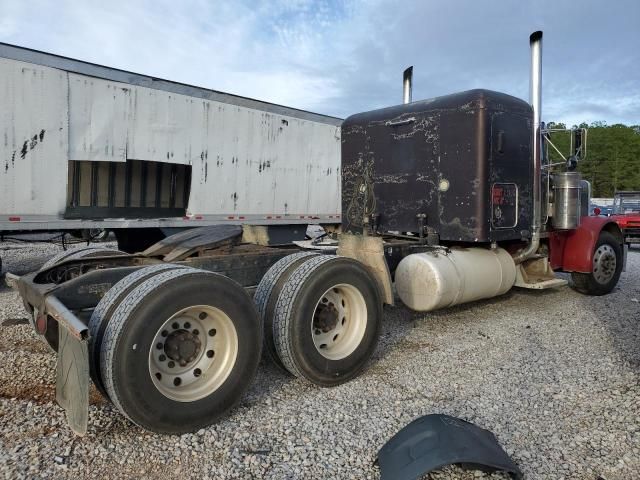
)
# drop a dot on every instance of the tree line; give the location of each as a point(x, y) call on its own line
point(612, 161)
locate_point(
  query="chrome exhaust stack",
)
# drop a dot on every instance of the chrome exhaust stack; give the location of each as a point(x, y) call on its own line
point(535, 92)
point(407, 80)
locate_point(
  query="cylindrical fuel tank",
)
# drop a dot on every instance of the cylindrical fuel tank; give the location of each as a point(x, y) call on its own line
point(566, 200)
point(432, 280)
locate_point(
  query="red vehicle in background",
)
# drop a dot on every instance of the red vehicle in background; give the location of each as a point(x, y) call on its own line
point(626, 213)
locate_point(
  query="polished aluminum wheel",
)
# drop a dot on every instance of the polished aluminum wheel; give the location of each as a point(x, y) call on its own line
point(339, 322)
point(604, 264)
point(193, 353)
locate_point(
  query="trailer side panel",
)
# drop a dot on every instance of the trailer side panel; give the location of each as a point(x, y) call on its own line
point(115, 151)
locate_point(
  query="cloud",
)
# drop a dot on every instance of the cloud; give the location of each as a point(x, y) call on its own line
point(341, 57)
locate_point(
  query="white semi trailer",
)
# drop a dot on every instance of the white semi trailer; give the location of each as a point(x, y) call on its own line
point(84, 146)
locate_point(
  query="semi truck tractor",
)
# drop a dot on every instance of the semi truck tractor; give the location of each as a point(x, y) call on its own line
point(443, 201)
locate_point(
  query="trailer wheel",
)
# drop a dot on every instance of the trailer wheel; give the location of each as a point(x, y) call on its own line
point(327, 320)
point(104, 310)
point(606, 270)
point(266, 295)
point(80, 253)
point(180, 350)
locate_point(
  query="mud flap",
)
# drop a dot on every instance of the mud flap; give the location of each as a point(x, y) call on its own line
point(72, 385)
point(434, 441)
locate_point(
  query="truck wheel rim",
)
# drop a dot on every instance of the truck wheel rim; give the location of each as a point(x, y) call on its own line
point(339, 322)
point(604, 264)
point(193, 353)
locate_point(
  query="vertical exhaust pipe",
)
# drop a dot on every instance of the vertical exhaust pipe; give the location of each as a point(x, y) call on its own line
point(535, 92)
point(407, 80)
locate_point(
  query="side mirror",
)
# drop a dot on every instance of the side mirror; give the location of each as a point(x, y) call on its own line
point(579, 143)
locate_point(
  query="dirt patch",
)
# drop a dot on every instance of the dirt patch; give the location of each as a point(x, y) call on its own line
point(408, 345)
point(45, 393)
point(36, 432)
point(95, 397)
point(31, 345)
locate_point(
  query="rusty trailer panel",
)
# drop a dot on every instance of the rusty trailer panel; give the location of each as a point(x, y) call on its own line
point(105, 134)
point(34, 138)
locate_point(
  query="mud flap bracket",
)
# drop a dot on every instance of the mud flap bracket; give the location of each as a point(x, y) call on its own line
point(370, 252)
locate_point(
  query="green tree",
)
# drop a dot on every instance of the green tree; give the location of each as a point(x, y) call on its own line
point(612, 162)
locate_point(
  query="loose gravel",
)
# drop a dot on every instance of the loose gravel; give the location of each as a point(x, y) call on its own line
point(554, 374)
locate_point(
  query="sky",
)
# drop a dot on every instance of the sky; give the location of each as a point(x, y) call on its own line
point(342, 57)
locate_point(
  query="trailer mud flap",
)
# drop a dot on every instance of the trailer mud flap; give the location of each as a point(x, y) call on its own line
point(72, 385)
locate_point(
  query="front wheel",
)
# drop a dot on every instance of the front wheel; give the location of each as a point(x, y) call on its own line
point(606, 268)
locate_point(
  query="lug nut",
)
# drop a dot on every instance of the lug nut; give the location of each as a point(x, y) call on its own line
point(202, 316)
point(197, 372)
point(177, 381)
point(171, 364)
point(162, 358)
point(164, 333)
point(175, 325)
point(210, 353)
point(187, 325)
point(159, 346)
point(212, 332)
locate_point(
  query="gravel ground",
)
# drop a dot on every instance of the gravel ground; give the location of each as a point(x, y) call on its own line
point(554, 374)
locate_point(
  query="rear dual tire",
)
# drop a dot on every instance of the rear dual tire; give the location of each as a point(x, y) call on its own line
point(325, 319)
point(179, 349)
point(266, 296)
point(103, 312)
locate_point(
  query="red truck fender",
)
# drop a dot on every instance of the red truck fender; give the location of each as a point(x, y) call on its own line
point(572, 250)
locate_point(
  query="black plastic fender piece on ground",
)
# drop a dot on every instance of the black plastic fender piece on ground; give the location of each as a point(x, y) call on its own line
point(434, 441)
